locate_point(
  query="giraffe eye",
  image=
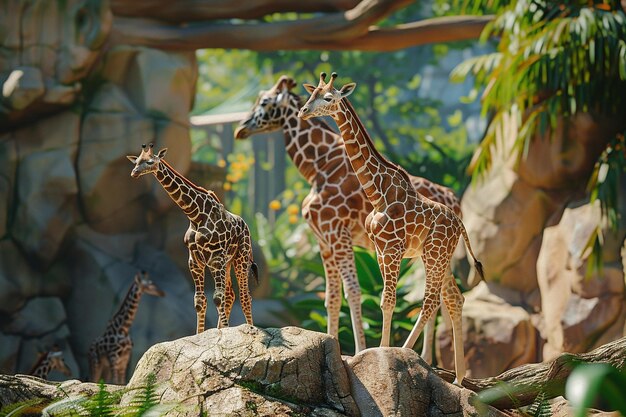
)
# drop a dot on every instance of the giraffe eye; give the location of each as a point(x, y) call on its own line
point(328, 99)
point(265, 102)
point(150, 162)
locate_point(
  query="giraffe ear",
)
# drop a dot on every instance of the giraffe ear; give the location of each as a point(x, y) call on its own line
point(162, 153)
point(309, 87)
point(132, 158)
point(347, 89)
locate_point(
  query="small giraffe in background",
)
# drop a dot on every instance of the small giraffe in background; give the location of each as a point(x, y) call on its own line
point(402, 224)
point(109, 354)
point(216, 238)
point(48, 361)
point(336, 207)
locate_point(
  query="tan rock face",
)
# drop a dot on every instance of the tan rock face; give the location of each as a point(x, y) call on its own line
point(42, 66)
point(288, 363)
point(576, 309)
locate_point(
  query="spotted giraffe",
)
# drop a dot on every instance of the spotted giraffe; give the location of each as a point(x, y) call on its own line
point(402, 224)
point(216, 238)
point(110, 353)
point(336, 206)
point(48, 361)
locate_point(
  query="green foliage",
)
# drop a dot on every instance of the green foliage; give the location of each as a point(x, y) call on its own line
point(553, 59)
point(540, 407)
point(589, 383)
point(32, 406)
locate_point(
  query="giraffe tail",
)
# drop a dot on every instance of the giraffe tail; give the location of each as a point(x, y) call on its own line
point(254, 272)
point(477, 264)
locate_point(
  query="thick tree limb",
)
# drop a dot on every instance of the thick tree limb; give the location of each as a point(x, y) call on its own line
point(181, 11)
point(529, 380)
point(297, 35)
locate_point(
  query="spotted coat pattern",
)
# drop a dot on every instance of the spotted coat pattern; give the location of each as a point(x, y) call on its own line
point(110, 353)
point(402, 224)
point(48, 361)
point(336, 206)
point(216, 238)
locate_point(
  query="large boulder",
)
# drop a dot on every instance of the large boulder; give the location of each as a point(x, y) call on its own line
point(396, 382)
point(289, 363)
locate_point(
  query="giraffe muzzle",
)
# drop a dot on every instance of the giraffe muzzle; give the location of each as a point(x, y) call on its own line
point(134, 173)
point(304, 113)
point(241, 132)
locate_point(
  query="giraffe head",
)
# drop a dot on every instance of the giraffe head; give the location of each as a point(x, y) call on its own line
point(58, 363)
point(147, 162)
point(325, 98)
point(269, 109)
point(146, 285)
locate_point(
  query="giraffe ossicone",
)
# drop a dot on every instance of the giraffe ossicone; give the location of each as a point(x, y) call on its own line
point(216, 238)
point(336, 207)
point(402, 224)
point(109, 354)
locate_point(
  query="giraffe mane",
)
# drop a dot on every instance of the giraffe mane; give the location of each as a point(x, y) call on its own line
point(373, 149)
point(189, 183)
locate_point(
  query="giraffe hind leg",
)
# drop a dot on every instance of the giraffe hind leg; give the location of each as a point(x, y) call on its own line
point(243, 271)
point(218, 272)
point(453, 301)
point(199, 299)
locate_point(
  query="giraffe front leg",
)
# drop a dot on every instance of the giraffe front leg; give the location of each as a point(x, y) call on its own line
point(218, 272)
point(453, 302)
point(429, 338)
point(95, 365)
point(332, 299)
point(199, 298)
point(389, 264)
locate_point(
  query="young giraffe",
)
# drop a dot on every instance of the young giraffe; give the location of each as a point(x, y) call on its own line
point(109, 354)
point(216, 238)
point(403, 223)
point(48, 361)
point(336, 207)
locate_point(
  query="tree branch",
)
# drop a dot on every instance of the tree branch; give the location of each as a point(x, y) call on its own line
point(181, 11)
point(296, 35)
point(528, 380)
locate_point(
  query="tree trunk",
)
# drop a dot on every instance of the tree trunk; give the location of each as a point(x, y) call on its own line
point(524, 383)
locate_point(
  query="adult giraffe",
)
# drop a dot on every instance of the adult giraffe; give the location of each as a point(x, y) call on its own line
point(402, 224)
point(336, 207)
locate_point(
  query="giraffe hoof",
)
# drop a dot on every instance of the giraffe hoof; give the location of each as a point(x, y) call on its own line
point(457, 383)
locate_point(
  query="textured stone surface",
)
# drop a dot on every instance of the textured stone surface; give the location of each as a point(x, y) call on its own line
point(578, 309)
point(497, 336)
point(289, 363)
point(41, 65)
point(395, 382)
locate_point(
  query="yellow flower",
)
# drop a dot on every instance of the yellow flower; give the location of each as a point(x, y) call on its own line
point(298, 185)
point(293, 209)
point(221, 163)
point(227, 186)
point(293, 219)
point(275, 205)
point(288, 194)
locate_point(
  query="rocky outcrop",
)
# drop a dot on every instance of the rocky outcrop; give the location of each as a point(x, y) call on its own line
point(247, 371)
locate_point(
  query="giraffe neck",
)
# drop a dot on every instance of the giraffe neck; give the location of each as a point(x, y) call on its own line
point(125, 315)
point(188, 196)
point(303, 137)
point(374, 171)
point(42, 368)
